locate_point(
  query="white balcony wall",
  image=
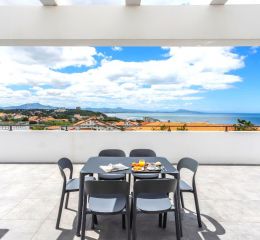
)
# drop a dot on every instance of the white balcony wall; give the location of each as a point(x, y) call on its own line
point(206, 147)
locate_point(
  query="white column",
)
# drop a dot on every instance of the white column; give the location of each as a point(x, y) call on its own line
point(218, 2)
point(48, 2)
point(132, 2)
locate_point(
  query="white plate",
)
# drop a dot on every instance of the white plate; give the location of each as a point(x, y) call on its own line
point(152, 168)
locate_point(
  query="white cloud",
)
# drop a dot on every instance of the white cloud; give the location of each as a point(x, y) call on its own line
point(63, 2)
point(243, 2)
point(52, 57)
point(116, 48)
point(175, 2)
point(254, 49)
point(21, 2)
point(27, 75)
point(122, 2)
point(92, 2)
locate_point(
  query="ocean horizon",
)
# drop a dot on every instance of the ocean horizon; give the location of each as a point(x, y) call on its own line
point(214, 118)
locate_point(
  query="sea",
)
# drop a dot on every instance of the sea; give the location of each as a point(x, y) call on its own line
point(217, 118)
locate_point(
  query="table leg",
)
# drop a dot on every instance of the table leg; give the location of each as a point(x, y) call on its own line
point(177, 218)
point(80, 202)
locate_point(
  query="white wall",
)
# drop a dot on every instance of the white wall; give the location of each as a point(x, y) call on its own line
point(119, 25)
point(206, 147)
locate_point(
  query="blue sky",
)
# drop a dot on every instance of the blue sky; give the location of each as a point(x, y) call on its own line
point(211, 79)
point(243, 96)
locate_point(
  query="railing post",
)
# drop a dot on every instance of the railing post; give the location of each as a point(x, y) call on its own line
point(10, 128)
point(226, 128)
point(66, 128)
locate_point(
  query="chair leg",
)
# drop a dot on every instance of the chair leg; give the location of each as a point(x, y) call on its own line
point(160, 220)
point(83, 226)
point(197, 207)
point(164, 220)
point(182, 199)
point(67, 200)
point(93, 222)
point(177, 218)
point(123, 221)
point(131, 214)
point(128, 225)
point(60, 209)
point(95, 219)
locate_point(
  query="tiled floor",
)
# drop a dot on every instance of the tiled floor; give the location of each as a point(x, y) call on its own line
point(229, 198)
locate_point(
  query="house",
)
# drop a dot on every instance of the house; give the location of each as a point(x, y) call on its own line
point(60, 110)
point(93, 123)
point(126, 124)
point(77, 116)
point(19, 116)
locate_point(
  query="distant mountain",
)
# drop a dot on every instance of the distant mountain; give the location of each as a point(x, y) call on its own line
point(116, 110)
point(28, 106)
point(124, 110)
point(185, 111)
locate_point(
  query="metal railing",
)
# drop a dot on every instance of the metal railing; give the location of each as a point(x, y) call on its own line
point(188, 127)
point(168, 127)
point(196, 127)
point(12, 127)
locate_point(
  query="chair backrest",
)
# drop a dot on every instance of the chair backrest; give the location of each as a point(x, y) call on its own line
point(65, 163)
point(156, 186)
point(112, 153)
point(106, 187)
point(188, 163)
point(142, 153)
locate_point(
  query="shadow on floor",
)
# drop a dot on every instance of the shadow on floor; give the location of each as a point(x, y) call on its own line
point(109, 228)
point(211, 228)
point(68, 234)
point(3, 232)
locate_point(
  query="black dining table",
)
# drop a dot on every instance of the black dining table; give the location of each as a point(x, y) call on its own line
point(93, 164)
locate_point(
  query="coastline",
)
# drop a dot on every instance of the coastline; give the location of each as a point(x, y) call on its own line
point(191, 118)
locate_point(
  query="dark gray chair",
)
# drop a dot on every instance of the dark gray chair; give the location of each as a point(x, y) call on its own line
point(143, 153)
point(151, 196)
point(106, 198)
point(192, 165)
point(112, 153)
point(70, 185)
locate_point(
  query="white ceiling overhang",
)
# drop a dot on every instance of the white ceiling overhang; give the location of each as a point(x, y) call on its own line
point(215, 24)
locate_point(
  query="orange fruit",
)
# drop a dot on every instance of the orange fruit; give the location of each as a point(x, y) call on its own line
point(141, 163)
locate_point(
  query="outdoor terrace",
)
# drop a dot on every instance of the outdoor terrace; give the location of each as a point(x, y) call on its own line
point(229, 200)
point(229, 196)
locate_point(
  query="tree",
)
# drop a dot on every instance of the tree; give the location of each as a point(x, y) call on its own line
point(182, 128)
point(25, 119)
point(163, 128)
point(37, 127)
point(243, 125)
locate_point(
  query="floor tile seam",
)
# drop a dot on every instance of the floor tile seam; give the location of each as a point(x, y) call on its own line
point(12, 209)
point(46, 218)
